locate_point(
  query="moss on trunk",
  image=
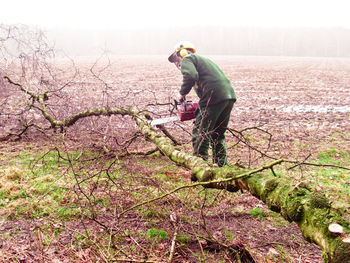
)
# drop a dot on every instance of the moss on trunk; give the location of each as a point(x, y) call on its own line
point(310, 210)
point(293, 200)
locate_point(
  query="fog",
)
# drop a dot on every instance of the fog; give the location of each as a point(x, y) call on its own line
point(224, 27)
point(210, 40)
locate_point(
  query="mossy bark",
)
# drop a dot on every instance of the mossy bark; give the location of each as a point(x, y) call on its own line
point(295, 201)
point(310, 210)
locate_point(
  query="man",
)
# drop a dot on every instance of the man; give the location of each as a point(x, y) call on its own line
point(216, 96)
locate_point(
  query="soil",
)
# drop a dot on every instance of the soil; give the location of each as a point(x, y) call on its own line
point(299, 101)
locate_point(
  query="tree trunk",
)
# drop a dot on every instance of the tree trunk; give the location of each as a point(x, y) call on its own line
point(295, 201)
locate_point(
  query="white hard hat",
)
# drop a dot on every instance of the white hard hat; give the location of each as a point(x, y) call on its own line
point(180, 46)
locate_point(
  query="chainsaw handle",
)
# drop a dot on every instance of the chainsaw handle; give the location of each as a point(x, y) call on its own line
point(176, 103)
point(180, 102)
point(183, 102)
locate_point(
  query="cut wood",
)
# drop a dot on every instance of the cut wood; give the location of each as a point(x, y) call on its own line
point(336, 228)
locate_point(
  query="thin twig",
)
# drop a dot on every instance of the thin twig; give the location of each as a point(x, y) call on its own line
point(172, 248)
point(300, 163)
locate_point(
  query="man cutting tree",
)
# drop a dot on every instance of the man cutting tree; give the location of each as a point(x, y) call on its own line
point(216, 99)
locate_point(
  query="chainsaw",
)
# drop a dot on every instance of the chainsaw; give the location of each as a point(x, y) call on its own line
point(185, 111)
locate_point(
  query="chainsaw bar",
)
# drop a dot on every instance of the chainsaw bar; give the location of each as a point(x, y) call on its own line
point(164, 120)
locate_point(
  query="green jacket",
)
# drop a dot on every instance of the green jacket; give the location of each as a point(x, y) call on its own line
point(210, 83)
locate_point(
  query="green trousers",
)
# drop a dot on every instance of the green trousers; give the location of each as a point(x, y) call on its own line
point(209, 128)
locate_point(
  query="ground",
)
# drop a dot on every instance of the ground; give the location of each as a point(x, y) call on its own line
point(60, 211)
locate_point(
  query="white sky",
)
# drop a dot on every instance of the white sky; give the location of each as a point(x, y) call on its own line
point(108, 14)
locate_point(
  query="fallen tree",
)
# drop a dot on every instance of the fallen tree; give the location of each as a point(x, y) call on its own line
point(295, 201)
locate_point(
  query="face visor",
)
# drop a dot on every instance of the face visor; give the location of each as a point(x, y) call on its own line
point(176, 59)
point(172, 57)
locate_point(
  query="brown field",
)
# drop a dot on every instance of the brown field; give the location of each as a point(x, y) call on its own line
point(294, 99)
point(290, 108)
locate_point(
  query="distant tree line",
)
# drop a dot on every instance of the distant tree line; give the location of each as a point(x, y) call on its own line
point(214, 40)
point(325, 42)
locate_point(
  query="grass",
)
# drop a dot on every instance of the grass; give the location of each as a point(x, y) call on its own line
point(183, 239)
point(323, 177)
point(34, 185)
point(44, 186)
point(334, 181)
point(256, 212)
point(156, 234)
point(333, 156)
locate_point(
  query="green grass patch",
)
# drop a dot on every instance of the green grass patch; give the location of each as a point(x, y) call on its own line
point(33, 185)
point(333, 156)
point(328, 175)
point(183, 239)
point(256, 212)
point(66, 212)
point(156, 234)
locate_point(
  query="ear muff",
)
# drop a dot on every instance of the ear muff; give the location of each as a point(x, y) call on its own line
point(183, 52)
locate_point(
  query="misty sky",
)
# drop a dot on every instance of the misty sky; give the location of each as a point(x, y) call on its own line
point(116, 14)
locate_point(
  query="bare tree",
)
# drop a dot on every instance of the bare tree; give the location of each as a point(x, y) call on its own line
point(46, 93)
